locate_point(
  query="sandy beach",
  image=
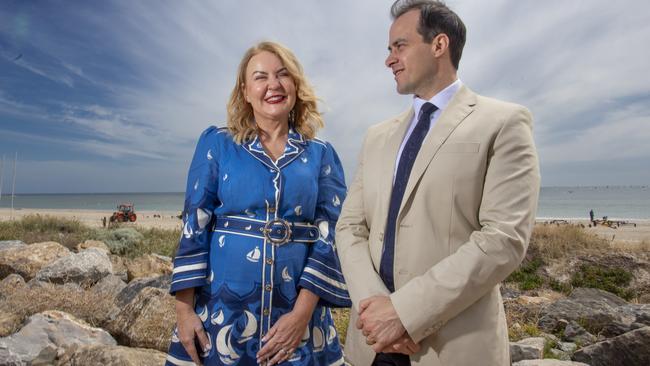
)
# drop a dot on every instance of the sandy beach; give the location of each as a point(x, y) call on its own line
point(621, 235)
point(93, 218)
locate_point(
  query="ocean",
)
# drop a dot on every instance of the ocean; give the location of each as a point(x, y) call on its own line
point(615, 202)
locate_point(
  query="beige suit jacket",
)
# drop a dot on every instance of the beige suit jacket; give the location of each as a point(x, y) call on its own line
point(463, 226)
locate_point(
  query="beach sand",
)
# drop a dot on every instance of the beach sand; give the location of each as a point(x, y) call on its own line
point(622, 235)
point(93, 218)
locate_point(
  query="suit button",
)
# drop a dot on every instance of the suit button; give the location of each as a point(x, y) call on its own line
point(268, 287)
point(265, 311)
point(271, 209)
point(269, 260)
point(381, 236)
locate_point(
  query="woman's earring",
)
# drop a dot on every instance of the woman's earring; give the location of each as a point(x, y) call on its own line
point(292, 116)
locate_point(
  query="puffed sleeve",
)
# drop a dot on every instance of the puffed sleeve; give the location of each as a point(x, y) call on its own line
point(191, 260)
point(322, 273)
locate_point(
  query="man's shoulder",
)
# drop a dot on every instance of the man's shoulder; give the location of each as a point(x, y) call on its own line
point(388, 124)
point(498, 105)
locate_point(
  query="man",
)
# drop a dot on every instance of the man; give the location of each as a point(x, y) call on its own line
point(440, 211)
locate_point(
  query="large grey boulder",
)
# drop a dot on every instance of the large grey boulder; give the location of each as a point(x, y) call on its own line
point(147, 321)
point(527, 349)
point(84, 268)
point(134, 287)
point(593, 307)
point(27, 260)
point(632, 348)
point(10, 284)
point(113, 356)
point(48, 335)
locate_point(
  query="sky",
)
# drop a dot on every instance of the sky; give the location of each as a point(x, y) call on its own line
point(111, 96)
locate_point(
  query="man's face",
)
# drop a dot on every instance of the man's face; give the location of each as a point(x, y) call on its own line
point(410, 58)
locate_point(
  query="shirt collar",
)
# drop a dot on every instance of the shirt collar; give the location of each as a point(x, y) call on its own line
point(440, 100)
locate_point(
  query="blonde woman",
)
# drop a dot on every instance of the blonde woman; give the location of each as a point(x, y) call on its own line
point(256, 270)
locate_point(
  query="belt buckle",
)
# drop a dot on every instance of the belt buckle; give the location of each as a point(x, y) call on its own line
point(268, 230)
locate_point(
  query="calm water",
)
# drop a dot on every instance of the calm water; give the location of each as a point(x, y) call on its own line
point(557, 202)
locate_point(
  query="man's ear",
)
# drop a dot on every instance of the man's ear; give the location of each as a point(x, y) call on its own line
point(440, 44)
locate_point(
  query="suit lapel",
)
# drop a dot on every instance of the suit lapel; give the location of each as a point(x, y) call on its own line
point(393, 139)
point(461, 105)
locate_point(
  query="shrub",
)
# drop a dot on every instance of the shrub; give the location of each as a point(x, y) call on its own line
point(609, 279)
point(526, 276)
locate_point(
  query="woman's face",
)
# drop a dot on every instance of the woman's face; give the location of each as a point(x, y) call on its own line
point(269, 88)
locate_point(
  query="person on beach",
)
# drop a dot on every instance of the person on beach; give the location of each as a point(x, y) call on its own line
point(591, 215)
point(256, 271)
point(440, 211)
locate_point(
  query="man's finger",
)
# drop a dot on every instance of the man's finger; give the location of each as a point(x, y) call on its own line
point(203, 339)
point(191, 351)
point(359, 323)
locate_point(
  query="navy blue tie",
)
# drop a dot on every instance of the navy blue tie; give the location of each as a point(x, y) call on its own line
point(406, 160)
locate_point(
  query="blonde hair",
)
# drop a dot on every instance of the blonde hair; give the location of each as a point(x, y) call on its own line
point(306, 118)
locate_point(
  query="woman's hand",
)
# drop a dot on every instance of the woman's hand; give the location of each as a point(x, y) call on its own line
point(284, 336)
point(189, 325)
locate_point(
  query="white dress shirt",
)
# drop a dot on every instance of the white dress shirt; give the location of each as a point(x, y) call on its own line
point(440, 100)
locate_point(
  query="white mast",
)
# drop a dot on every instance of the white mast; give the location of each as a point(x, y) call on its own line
point(2, 165)
point(13, 188)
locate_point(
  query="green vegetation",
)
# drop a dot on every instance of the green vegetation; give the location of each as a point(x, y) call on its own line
point(550, 344)
point(609, 279)
point(125, 241)
point(526, 276)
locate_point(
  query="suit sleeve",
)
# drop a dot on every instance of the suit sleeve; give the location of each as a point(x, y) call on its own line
point(322, 273)
point(191, 260)
point(506, 215)
point(353, 242)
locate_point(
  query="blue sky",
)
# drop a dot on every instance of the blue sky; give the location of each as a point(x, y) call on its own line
point(111, 96)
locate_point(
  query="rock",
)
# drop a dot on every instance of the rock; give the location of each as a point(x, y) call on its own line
point(147, 321)
point(548, 362)
point(533, 300)
point(574, 332)
point(27, 260)
point(527, 349)
point(509, 293)
point(9, 322)
point(569, 347)
point(631, 348)
point(134, 287)
point(592, 306)
point(85, 268)
point(114, 356)
point(47, 335)
point(10, 284)
point(119, 267)
point(110, 286)
point(9, 244)
point(559, 354)
point(148, 265)
point(93, 244)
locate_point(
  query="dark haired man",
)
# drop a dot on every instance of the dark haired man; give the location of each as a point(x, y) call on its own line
point(425, 241)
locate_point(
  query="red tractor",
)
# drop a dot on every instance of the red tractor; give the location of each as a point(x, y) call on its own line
point(125, 212)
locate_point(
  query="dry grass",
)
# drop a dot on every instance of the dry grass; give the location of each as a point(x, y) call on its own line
point(26, 301)
point(341, 318)
point(550, 242)
point(36, 228)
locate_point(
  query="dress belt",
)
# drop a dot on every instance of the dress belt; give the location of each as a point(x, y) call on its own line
point(277, 231)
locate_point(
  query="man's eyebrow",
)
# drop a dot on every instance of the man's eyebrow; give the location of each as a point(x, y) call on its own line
point(395, 42)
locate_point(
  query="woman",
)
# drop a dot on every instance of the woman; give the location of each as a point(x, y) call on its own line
point(256, 269)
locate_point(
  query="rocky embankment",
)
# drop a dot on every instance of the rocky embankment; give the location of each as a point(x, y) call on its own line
point(83, 306)
point(583, 326)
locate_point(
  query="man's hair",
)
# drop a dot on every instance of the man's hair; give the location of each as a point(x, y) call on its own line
point(435, 18)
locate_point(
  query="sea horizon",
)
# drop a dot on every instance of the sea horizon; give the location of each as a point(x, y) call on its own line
point(618, 202)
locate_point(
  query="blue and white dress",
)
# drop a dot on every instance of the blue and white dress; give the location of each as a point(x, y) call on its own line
point(243, 282)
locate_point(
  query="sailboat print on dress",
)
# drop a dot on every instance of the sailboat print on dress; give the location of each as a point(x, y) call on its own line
point(254, 255)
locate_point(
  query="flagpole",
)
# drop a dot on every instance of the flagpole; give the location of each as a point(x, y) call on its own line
point(13, 188)
point(2, 166)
